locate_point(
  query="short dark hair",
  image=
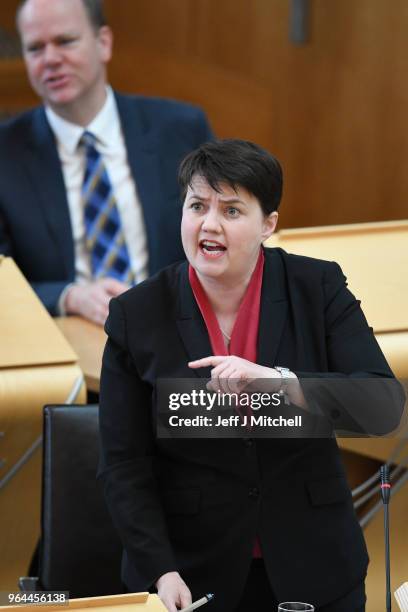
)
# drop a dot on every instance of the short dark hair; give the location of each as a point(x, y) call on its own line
point(239, 163)
point(94, 9)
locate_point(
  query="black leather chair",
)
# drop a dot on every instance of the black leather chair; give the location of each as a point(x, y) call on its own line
point(79, 550)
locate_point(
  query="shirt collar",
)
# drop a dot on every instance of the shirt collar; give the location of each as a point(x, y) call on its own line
point(105, 126)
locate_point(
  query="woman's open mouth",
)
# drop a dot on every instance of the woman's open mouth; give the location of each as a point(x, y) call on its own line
point(211, 248)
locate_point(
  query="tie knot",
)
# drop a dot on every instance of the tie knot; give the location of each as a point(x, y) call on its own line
point(88, 140)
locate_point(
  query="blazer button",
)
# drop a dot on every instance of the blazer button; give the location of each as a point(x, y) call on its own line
point(253, 493)
point(248, 442)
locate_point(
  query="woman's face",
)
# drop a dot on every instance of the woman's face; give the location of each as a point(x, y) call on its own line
point(222, 231)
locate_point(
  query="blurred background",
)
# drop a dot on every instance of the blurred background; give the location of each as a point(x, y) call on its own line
point(332, 109)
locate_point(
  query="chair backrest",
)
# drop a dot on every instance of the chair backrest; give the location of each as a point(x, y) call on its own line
point(80, 551)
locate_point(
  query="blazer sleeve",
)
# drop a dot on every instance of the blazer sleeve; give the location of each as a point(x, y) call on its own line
point(127, 458)
point(5, 242)
point(359, 392)
point(48, 292)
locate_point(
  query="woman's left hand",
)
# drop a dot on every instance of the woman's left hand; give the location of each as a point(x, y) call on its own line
point(231, 374)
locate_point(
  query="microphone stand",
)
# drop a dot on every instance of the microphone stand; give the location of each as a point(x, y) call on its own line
point(386, 494)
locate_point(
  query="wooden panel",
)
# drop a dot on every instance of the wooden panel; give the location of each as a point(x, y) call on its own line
point(29, 336)
point(395, 348)
point(15, 92)
point(379, 449)
point(374, 536)
point(88, 341)
point(358, 470)
point(333, 111)
point(371, 255)
point(23, 393)
point(20, 530)
point(8, 11)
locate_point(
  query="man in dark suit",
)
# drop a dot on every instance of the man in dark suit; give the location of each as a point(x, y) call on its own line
point(138, 141)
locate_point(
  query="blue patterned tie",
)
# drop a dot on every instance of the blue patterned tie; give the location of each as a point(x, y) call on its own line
point(105, 240)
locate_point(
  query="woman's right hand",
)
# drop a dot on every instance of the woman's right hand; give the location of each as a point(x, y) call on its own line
point(173, 591)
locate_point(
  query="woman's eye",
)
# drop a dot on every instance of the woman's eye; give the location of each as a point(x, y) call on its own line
point(232, 211)
point(196, 206)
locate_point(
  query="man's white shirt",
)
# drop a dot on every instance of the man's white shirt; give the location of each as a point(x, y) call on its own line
point(110, 143)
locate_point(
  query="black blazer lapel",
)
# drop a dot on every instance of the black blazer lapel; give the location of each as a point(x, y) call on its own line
point(274, 308)
point(44, 168)
point(190, 323)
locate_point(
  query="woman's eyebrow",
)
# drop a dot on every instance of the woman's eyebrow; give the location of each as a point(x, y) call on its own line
point(226, 200)
point(232, 200)
point(197, 196)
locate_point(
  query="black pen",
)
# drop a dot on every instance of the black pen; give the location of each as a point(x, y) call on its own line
point(198, 603)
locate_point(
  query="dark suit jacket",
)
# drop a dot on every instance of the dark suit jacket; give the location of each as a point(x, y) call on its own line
point(196, 505)
point(35, 227)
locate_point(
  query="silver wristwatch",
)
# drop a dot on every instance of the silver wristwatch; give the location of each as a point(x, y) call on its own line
point(285, 373)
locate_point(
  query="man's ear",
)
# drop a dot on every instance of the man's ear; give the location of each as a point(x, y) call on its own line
point(270, 223)
point(105, 40)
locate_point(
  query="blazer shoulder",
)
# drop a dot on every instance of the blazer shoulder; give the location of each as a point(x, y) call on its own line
point(301, 266)
point(18, 131)
point(154, 297)
point(156, 107)
point(19, 123)
point(307, 274)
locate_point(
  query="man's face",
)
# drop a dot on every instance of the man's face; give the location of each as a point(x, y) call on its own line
point(64, 55)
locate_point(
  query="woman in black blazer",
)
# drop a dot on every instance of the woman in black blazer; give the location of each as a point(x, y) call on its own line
point(254, 521)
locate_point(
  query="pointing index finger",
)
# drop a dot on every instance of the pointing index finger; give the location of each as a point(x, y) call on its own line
point(212, 360)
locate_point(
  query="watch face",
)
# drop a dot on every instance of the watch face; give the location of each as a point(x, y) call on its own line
point(284, 372)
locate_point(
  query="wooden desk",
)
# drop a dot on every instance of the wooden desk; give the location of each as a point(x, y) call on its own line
point(88, 341)
point(374, 448)
point(37, 366)
point(130, 602)
point(374, 537)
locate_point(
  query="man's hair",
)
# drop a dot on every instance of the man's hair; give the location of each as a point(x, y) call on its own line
point(94, 9)
point(238, 163)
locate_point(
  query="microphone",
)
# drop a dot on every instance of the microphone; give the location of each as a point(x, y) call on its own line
point(385, 487)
